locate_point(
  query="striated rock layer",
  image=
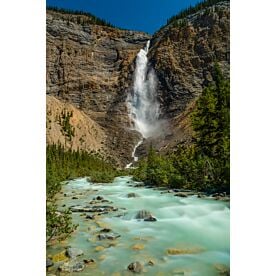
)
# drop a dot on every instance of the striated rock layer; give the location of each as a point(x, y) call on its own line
point(91, 67)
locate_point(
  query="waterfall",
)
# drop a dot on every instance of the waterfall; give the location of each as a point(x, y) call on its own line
point(142, 102)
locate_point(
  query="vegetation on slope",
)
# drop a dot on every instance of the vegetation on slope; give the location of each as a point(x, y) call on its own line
point(62, 165)
point(204, 166)
point(193, 9)
point(83, 18)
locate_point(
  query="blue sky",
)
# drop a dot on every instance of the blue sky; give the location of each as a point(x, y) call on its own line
point(142, 15)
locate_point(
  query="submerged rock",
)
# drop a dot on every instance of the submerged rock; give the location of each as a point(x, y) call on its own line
point(223, 270)
point(106, 230)
point(59, 257)
point(73, 252)
point(139, 185)
point(99, 198)
point(135, 267)
point(181, 194)
point(177, 251)
point(138, 246)
point(129, 195)
point(99, 248)
point(72, 266)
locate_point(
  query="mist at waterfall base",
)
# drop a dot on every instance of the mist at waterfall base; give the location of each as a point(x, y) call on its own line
point(142, 102)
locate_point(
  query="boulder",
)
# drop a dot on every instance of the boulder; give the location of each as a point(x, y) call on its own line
point(90, 217)
point(99, 198)
point(150, 218)
point(73, 252)
point(142, 214)
point(111, 236)
point(135, 267)
point(72, 266)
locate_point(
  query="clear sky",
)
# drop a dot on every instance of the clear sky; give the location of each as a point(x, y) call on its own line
point(140, 15)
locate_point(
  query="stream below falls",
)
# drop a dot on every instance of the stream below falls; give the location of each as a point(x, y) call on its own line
point(190, 237)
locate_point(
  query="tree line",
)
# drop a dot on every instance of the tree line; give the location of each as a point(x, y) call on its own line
point(88, 19)
point(193, 9)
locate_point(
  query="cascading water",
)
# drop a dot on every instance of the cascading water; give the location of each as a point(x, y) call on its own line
point(142, 102)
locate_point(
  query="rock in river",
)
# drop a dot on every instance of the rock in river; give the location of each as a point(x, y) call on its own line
point(111, 236)
point(73, 252)
point(132, 195)
point(181, 194)
point(90, 217)
point(150, 218)
point(72, 266)
point(135, 267)
point(143, 214)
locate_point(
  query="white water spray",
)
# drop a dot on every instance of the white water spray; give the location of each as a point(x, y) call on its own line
point(142, 102)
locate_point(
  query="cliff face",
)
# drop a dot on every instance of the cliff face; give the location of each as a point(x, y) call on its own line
point(184, 54)
point(91, 67)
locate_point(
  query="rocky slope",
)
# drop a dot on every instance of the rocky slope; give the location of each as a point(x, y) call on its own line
point(91, 67)
point(80, 131)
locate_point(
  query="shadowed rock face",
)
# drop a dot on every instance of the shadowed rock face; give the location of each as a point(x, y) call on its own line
point(184, 56)
point(91, 67)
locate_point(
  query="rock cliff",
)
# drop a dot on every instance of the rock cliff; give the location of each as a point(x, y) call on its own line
point(91, 68)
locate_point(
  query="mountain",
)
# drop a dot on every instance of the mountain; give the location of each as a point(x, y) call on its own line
point(90, 73)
